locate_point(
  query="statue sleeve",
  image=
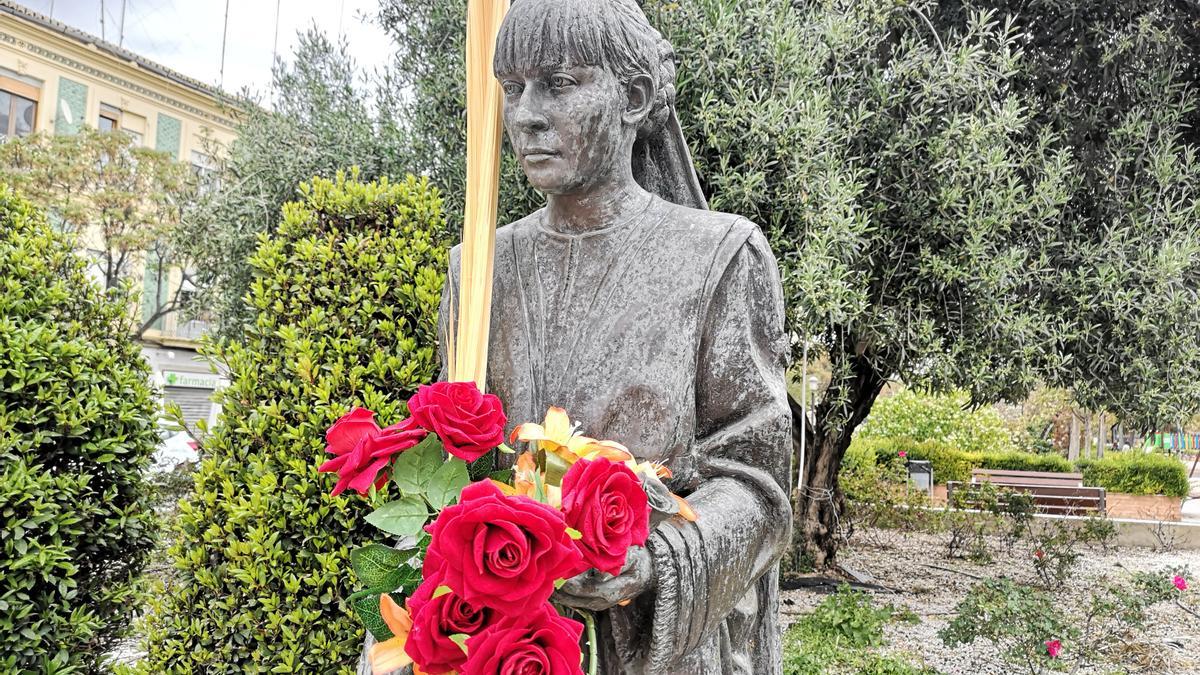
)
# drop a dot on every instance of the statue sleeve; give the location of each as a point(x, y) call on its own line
point(707, 570)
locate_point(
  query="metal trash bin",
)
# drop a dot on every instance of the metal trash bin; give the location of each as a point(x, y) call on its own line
point(920, 475)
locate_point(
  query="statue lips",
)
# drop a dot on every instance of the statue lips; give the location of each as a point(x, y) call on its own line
point(538, 154)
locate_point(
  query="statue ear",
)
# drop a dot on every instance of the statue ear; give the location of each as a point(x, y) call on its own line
point(640, 92)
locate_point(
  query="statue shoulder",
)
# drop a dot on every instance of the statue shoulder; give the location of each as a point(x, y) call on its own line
point(722, 233)
point(504, 235)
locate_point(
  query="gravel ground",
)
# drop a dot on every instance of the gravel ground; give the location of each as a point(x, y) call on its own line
point(931, 585)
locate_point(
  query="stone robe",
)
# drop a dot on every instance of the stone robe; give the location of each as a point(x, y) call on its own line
point(665, 333)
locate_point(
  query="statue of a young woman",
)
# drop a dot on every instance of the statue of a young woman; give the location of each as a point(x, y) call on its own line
point(653, 321)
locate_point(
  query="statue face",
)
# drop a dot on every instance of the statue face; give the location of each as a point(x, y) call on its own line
point(565, 124)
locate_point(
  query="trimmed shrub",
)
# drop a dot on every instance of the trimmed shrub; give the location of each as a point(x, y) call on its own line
point(949, 463)
point(1025, 461)
point(1137, 473)
point(77, 428)
point(346, 296)
point(937, 417)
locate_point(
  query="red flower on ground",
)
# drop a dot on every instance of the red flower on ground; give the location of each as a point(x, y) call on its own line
point(469, 422)
point(540, 641)
point(500, 552)
point(1053, 648)
point(605, 502)
point(362, 451)
point(435, 619)
point(1180, 582)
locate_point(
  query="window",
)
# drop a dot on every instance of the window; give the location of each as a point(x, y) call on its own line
point(204, 167)
point(18, 107)
point(110, 118)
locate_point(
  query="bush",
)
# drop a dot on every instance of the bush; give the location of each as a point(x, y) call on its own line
point(841, 634)
point(937, 417)
point(1025, 461)
point(949, 463)
point(76, 432)
point(346, 295)
point(1137, 473)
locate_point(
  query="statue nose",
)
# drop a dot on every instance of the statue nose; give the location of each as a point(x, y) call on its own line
point(528, 116)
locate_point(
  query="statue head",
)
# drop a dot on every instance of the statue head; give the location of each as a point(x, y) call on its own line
point(589, 96)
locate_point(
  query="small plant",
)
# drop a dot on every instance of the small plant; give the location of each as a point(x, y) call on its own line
point(1023, 622)
point(840, 636)
point(1098, 530)
point(1055, 553)
point(881, 503)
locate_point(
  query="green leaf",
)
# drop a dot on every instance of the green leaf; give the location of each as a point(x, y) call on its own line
point(377, 565)
point(460, 639)
point(480, 468)
point(403, 517)
point(413, 469)
point(574, 534)
point(440, 591)
point(366, 605)
point(447, 482)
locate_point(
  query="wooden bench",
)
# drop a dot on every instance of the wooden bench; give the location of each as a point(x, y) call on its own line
point(1006, 477)
point(1060, 494)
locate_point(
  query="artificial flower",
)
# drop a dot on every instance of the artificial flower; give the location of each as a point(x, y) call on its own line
point(390, 654)
point(605, 502)
point(362, 451)
point(557, 436)
point(537, 641)
point(502, 552)
point(438, 620)
point(469, 422)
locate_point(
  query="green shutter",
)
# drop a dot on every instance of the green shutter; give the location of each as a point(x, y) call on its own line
point(72, 106)
point(153, 294)
point(166, 138)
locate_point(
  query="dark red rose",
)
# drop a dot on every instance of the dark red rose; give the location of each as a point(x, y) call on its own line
point(362, 451)
point(501, 552)
point(605, 502)
point(469, 422)
point(532, 643)
point(435, 620)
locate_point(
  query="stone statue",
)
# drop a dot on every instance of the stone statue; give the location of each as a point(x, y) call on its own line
point(655, 323)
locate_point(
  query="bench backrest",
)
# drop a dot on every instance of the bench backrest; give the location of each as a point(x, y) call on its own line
point(1049, 499)
point(1005, 477)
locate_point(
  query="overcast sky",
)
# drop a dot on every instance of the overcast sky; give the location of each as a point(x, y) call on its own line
point(185, 35)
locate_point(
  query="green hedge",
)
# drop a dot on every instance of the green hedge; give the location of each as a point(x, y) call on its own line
point(346, 296)
point(77, 428)
point(1137, 473)
point(1129, 472)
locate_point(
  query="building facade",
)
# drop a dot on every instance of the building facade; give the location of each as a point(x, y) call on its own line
point(55, 79)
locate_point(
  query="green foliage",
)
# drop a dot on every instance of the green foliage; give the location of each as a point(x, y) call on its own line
point(76, 434)
point(840, 636)
point(937, 417)
point(346, 296)
point(322, 117)
point(1137, 473)
point(1025, 461)
point(951, 463)
point(121, 201)
point(1019, 619)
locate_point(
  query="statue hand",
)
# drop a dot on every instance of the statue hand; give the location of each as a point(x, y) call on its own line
point(598, 591)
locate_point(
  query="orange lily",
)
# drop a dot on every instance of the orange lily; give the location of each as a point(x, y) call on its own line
point(389, 655)
point(557, 436)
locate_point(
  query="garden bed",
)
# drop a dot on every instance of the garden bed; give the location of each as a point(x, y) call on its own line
point(931, 586)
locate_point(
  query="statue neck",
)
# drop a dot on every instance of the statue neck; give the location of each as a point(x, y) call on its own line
point(596, 209)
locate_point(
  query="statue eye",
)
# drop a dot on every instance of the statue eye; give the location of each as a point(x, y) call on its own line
point(512, 88)
point(561, 81)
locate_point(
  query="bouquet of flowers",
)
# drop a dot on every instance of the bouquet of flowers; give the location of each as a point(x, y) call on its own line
point(468, 587)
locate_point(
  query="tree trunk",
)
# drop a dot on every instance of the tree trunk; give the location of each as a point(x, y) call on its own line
point(1087, 436)
point(818, 504)
point(1102, 442)
point(1073, 448)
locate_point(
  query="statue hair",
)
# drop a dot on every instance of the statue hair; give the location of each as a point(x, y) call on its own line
point(617, 36)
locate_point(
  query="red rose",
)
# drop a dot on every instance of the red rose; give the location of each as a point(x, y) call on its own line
point(500, 552)
point(534, 642)
point(362, 451)
point(605, 502)
point(469, 422)
point(434, 621)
